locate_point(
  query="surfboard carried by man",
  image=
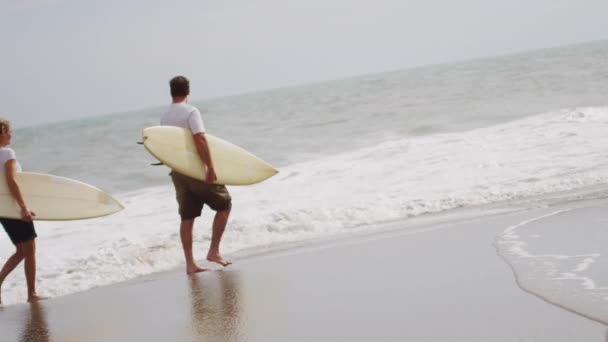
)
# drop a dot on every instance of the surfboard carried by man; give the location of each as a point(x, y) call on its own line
point(193, 194)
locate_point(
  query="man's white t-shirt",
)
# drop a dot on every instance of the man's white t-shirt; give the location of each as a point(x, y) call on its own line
point(183, 115)
point(7, 154)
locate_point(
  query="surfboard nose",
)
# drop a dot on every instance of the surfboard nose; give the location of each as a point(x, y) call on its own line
point(106, 205)
point(111, 204)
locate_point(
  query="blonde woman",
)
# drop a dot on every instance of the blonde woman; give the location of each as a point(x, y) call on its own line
point(21, 232)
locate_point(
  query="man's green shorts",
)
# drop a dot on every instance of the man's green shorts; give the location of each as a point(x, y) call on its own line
point(192, 194)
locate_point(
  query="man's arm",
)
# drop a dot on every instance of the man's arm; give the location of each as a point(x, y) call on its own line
point(202, 146)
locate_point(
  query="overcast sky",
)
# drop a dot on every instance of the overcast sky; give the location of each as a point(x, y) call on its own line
point(62, 59)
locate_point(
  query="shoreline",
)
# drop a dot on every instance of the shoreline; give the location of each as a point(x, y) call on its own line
point(104, 258)
point(584, 197)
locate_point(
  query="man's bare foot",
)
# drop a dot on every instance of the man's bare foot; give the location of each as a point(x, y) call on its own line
point(195, 269)
point(218, 259)
point(35, 298)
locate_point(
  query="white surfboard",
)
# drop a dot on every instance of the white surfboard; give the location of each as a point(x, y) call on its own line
point(54, 198)
point(174, 146)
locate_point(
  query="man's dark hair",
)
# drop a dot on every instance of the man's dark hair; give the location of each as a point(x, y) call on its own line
point(180, 86)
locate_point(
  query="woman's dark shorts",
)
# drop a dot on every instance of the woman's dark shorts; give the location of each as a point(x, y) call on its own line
point(19, 231)
point(192, 194)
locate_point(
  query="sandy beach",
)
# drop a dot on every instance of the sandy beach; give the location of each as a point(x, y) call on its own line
point(420, 281)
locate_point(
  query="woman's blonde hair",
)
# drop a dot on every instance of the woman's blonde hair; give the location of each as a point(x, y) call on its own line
point(5, 126)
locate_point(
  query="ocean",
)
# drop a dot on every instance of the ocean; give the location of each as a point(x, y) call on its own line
point(352, 154)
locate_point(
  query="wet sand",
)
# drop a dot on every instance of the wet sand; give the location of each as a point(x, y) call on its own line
point(431, 282)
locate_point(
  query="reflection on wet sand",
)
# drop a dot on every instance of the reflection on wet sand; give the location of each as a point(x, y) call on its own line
point(36, 328)
point(215, 306)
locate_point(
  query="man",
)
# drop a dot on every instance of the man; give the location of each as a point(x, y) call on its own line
point(191, 193)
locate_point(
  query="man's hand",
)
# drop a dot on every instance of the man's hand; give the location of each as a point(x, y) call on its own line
point(211, 176)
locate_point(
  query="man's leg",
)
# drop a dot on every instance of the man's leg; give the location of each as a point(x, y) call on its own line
point(219, 225)
point(29, 251)
point(10, 265)
point(185, 232)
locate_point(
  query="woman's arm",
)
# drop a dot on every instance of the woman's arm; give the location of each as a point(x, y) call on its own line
point(10, 170)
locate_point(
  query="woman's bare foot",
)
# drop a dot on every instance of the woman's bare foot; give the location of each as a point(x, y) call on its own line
point(35, 298)
point(218, 259)
point(195, 269)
